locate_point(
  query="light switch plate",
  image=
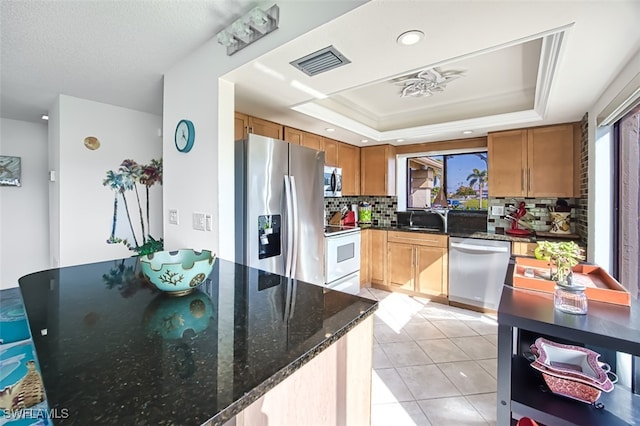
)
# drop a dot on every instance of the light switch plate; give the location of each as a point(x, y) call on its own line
point(497, 210)
point(173, 216)
point(209, 220)
point(198, 221)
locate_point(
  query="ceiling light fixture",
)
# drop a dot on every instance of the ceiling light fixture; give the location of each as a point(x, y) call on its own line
point(427, 82)
point(44, 117)
point(410, 37)
point(364, 140)
point(249, 28)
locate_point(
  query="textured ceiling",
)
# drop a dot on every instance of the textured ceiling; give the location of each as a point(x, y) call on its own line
point(108, 51)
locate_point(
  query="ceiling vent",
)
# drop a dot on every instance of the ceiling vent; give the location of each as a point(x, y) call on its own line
point(318, 62)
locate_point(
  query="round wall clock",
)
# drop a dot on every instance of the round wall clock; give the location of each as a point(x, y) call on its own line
point(185, 135)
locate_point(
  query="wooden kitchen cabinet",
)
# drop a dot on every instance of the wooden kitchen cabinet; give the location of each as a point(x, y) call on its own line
point(535, 162)
point(418, 263)
point(519, 248)
point(240, 126)
point(349, 162)
point(432, 271)
point(378, 257)
point(245, 124)
point(365, 258)
point(266, 128)
point(401, 258)
point(378, 170)
point(330, 148)
point(300, 137)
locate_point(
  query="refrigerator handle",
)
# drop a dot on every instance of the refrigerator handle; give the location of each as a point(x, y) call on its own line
point(289, 220)
point(295, 226)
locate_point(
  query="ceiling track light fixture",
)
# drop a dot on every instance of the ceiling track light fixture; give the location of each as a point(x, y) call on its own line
point(427, 82)
point(248, 28)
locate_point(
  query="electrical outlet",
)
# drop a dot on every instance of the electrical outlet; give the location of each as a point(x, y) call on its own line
point(173, 216)
point(198, 221)
point(497, 210)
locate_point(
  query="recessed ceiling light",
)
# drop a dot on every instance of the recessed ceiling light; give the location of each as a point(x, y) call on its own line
point(467, 132)
point(45, 117)
point(364, 140)
point(330, 129)
point(410, 37)
point(399, 140)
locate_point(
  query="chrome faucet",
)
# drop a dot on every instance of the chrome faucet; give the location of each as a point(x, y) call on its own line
point(443, 213)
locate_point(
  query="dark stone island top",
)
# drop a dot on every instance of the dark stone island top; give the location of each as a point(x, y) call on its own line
point(113, 351)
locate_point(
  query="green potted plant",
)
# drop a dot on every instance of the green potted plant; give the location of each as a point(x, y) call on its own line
point(563, 255)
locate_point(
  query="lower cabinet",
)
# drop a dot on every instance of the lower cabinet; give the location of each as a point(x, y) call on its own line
point(378, 256)
point(432, 270)
point(523, 249)
point(401, 258)
point(365, 257)
point(413, 262)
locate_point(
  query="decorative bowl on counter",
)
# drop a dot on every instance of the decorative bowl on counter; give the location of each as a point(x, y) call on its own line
point(571, 371)
point(177, 272)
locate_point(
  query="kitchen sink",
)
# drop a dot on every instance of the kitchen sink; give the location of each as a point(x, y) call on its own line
point(419, 228)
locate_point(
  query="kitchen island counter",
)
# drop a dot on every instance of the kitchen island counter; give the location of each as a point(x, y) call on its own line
point(114, 351)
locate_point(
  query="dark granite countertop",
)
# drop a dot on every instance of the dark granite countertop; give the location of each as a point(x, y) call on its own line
point(114, 351)
point(461, 234)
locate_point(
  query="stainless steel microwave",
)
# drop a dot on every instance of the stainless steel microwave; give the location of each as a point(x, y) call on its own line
point(332, 181)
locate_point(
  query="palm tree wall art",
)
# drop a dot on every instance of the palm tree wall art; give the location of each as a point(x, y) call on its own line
point(125, 180)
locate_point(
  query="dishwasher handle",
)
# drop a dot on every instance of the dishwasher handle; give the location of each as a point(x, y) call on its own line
point(479, 248)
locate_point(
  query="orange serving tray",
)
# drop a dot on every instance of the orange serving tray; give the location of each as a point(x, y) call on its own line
point(600, 285)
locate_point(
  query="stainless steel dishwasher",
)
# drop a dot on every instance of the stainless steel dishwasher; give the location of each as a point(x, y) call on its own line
point(477, 270)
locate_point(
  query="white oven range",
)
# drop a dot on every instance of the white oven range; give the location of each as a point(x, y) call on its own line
point(342, 258)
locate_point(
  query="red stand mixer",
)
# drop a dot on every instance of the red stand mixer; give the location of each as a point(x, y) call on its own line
point(515, 218)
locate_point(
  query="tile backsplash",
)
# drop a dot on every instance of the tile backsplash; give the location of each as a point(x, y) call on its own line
point(383, 209)
point(538, 207)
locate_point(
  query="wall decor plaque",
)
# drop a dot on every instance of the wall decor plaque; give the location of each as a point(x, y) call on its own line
point(9, 171)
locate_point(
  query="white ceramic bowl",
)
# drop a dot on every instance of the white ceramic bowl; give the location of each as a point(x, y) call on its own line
point(177, 272)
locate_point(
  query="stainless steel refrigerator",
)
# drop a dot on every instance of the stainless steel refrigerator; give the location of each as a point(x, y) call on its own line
point(279, 208)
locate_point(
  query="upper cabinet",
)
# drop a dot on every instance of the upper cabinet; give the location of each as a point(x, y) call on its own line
point(241, 126)
point(266, 128)
point(245, 124)
point(330, 152)
point(378, 170)
point(535, 162)
point(349, 162)
point(300, 137)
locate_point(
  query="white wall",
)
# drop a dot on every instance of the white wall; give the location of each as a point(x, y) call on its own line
point(24, 232)
point(202, 180)
point(83, 209)
point(599, 247)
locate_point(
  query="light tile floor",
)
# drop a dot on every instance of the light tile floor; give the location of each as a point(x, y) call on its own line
point(433, 364)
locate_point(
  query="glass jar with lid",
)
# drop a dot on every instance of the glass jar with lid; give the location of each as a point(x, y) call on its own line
point(570, 298)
